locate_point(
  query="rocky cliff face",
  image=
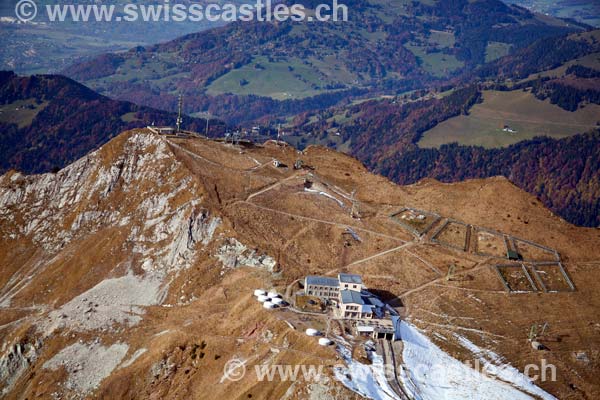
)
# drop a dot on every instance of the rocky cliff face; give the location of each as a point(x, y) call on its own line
point(130, 273)
point(91, 249)
point(131, 193)
point(140, 184)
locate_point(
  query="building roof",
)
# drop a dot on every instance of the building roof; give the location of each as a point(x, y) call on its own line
point(374, 301)
point(367, 308)
point(322, 281)
point(351, 297)
point(350, 278)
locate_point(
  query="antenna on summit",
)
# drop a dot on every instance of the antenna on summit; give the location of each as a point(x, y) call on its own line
point(280, 134)
point(179, 118)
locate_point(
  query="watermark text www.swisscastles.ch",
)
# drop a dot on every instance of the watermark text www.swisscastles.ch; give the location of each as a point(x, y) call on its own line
point(170, 11)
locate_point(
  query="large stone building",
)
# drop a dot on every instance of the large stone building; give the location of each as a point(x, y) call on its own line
point(359, 305)
point(322, 287)
point(347, 293)
point(350, 282)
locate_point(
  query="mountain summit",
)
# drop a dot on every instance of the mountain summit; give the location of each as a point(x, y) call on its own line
point(131, 273)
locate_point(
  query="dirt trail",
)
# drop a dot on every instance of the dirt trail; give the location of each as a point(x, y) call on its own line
point(383, 253)
point(338, 224)
point(477, 267)
point(273, 186)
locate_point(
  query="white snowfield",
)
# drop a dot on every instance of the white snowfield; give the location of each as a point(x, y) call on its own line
point(493, 364)
point(429, 373)
point(367, 380)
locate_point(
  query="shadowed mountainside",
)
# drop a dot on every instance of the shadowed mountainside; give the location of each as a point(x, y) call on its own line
point(48, 121)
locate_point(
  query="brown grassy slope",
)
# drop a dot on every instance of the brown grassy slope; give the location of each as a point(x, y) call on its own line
point(211, 315)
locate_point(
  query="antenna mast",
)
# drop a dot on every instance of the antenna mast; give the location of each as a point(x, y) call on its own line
point(179, 107)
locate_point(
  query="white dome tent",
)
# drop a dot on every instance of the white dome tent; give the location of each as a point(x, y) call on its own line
point(262, 298)
point(269, 305)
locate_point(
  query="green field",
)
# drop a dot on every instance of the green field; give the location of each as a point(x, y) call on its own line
point(589, 61)
point(442, 38)
point(437, 64)
point(21, 112)
point(495, 50)
point(327, 138)
point(525, 114)
point(129, 117)
point(161, 70)
point(273, 79)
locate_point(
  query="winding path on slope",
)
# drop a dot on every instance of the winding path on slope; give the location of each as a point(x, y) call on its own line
point(405, 245)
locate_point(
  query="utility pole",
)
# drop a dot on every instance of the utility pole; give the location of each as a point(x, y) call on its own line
point(206, 133)
point(451, 271)
point(355, 212)
point(537, 331)
point(533, 332)
point(179, 107)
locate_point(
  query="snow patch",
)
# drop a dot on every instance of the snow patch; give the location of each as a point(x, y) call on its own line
point(495, 365)
point(133, 358)
point(367, 380)
point(430, 373)
point(321, 193)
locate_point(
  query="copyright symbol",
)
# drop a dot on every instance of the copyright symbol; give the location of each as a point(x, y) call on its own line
point(26, 10)
point(234, 370)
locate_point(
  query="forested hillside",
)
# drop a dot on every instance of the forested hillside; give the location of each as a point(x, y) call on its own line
point(564, 173)
point(48, 121)
point(280, 70)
